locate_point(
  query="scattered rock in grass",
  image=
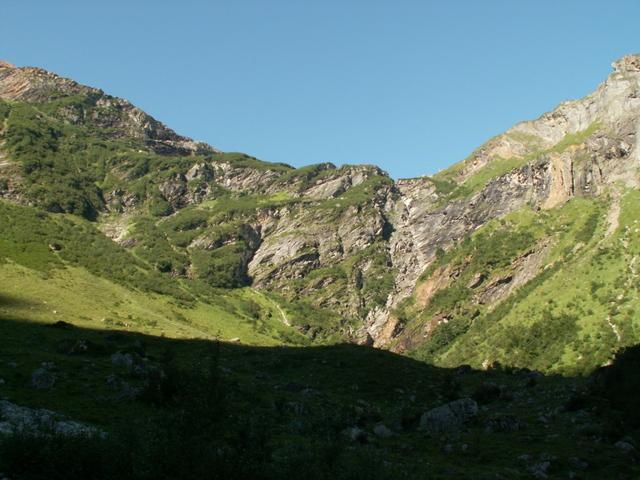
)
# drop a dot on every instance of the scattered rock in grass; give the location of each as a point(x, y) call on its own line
point(502, 423)
point(356, 434)
point(539, 470)
point(367, 412)
point(577, 463)
point(310, 392)
point(127, 392)
point(43, 377)
point(124, 390)
point(382, 431)
point(544, 419)
point(133, 363)
point(79, 347)
point(55, 247)
point(449, 417)
point(39, 422)
point(624, 446)
point(296, 408)
point(124, 360)
point(293, 387)
point(113, 381)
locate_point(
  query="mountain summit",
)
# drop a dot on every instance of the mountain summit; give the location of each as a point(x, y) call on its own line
point(486, 261)
point(35, 85)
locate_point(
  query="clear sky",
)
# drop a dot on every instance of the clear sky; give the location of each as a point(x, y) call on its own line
point(412, 86)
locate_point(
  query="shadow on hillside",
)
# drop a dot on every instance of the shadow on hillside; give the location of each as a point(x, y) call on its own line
point(9, 301)
point(278, 411)
point(341, 369)
point(345, 369)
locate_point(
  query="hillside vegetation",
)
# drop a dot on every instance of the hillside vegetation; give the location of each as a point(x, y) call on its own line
point(195, 313)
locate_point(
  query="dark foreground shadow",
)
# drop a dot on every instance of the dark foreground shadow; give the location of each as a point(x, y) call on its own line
point(202, 409)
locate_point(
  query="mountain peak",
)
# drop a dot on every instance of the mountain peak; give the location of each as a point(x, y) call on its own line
point(37, 85)
point(628, 63)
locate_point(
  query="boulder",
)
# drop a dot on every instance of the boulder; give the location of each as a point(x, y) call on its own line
point(124, 360)
point(382, 431)
point(578, 463)
point(133, 363)
point(449, 417)
point(42, 378)
point(624, 446)
point(356, 434)
point(502, 423)
point(39, 422)
point(539, 470)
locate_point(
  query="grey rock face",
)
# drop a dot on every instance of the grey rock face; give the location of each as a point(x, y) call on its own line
point(422, 223)
point(449, 417)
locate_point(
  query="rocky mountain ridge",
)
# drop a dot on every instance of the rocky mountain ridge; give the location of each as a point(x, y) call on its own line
point(347, 240)
point(36, 85)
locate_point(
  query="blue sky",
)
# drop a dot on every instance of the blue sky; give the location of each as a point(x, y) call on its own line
point(412, 86)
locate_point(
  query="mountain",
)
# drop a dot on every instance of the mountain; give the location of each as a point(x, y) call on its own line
point(465, 267)
point(441, 268)
point(187, 306)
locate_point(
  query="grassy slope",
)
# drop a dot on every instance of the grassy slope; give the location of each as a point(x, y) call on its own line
point(74, 295)
point(557, 321)
point(63, 263)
